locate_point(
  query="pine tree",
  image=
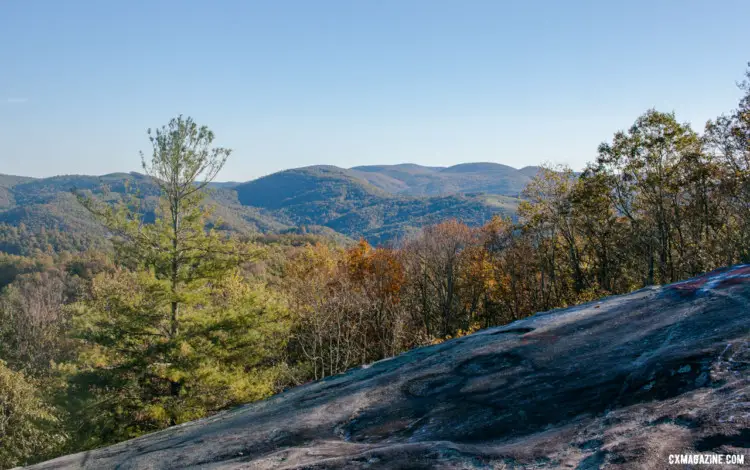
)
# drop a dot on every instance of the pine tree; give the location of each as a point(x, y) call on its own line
point(177, 332)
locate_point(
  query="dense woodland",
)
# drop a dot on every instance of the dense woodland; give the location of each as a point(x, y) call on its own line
point(169, 320)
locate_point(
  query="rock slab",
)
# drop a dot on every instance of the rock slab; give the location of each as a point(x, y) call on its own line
point(617, 383)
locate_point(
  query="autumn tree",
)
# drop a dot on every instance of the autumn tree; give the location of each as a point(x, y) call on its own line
point(34, 321)
point(548, 216)
point(379, 275)
point(434, 262)
point(328, 314)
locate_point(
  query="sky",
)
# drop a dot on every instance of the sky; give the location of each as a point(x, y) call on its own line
point(289, 83)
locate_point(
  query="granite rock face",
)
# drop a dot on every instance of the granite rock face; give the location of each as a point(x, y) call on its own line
point(618, 383)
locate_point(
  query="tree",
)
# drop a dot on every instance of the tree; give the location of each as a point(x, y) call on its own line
point(379, 275)
point(604, 234)
point(643, 167)
point(176, 248)
point(328, 336)
point(33, 321)
point(728, 139)
point(160, 342)
point(29, 429)
point(548, 215)
point(434, 263)
point(182, 153)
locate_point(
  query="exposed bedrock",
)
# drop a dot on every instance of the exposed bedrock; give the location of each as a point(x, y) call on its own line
point(618, 383)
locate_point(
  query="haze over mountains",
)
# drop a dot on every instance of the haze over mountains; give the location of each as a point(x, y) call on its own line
point(381, 203)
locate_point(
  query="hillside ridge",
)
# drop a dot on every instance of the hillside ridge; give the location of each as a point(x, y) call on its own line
point(380, 203)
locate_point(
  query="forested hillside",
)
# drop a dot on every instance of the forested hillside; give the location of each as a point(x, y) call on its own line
point(42, 215)
point(160, 316)
point(416, 180)
point(335, 198)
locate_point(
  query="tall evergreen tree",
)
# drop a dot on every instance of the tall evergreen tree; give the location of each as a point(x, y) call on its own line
point(178, 334)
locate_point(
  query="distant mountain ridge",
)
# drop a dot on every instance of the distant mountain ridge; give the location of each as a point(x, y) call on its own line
point(416, 180)
point(380, 202)
point(340, 199)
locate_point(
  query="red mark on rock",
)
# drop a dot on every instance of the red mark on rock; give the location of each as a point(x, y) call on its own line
point(714, 280)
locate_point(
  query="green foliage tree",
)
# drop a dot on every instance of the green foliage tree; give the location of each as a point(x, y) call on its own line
point(603, 234)
point(549, 217)
point(176, 335)
point(644, 166)
point(728, 139)
point(29, 428)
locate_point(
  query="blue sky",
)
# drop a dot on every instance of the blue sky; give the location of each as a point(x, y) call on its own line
point(291, 83)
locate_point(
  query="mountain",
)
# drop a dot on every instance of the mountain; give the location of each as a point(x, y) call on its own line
point(38, 212)
point(328, 185)
point(43, 214)
point(618, 383)
point(416, 180)
point(380, 203)
point(7, 182)
point(530, 171)
point(337, 198)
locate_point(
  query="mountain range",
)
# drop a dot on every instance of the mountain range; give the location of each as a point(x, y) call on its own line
point(380, 203)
